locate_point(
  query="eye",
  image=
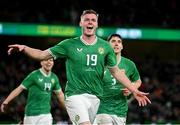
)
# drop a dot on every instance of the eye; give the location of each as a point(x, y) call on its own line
point(113, 41)
point(94, 20)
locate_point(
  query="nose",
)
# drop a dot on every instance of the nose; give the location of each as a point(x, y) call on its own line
point(89, 22)
point(116, 43)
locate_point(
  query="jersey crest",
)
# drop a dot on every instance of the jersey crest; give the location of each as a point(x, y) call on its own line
point(101, 50)
point(52, 81)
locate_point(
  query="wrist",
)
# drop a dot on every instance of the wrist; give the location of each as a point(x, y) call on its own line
point(24, 47)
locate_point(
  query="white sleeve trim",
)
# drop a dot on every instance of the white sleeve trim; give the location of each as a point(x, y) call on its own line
point(23, 86)
point(52, 54)
point(57, 90)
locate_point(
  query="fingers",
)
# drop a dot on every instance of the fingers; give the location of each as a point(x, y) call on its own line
point(143, 101)
point(10, 51)
point(141, 97)
point(141, 93)
point(148, 100)
point(139, 102)
point(15, 47)
point(11, 47)
point(124, 89)
point(2, 108)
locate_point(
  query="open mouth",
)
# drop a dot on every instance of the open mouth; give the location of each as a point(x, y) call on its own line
point(89, 27)
point(116, 48)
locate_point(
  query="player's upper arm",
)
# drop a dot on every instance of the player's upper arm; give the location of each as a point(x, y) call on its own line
point(57, 92)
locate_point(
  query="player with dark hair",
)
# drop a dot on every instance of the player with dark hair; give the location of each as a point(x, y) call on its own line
point(114, 103)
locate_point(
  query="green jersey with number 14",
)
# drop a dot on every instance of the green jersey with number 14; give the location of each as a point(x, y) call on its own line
point(40, 87)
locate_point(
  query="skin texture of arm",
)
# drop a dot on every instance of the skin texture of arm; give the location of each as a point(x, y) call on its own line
point(31, 52)
point(122, 78)
point(136, 84)
point(11, 96)
point(60, 96)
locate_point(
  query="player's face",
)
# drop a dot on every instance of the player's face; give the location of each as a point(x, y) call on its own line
point(89, 24)
point(116, 43)
point(47, 64)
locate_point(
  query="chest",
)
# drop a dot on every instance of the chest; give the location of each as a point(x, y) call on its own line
point(45, 83)
point(86, 55)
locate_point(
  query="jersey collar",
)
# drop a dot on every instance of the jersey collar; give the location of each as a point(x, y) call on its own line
point(44, 73)
point(119, 60)
point(94, 42)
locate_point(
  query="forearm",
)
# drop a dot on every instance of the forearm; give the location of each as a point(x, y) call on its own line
point(60, 96)
point(122, 78)
point(137, 83)
point(34, 53)
point(13, 94)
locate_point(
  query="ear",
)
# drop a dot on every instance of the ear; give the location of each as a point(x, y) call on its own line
point(122, 47)
point(41, 63)
point(80, 24)
point(97, 26)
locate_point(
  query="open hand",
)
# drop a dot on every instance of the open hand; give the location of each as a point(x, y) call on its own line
point(142, 99)
point(3, 106)
point(15, 47)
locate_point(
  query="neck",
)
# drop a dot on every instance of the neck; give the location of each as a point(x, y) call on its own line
point(89, 39)
point(45, 71)
point(118, 57)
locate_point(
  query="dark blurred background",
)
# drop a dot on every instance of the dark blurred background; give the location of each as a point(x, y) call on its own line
point(157, 61)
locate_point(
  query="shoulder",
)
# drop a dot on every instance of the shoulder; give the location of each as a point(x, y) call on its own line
point(127, 60)
point(102, 40)
point(71, 39)
point(103, 43)
point(54, 75)
point(35, 72)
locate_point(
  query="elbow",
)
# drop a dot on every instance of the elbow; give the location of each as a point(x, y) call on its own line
point(114, 70)
point(44, 55)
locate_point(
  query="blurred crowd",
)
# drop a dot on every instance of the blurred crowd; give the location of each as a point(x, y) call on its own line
point(160, 79)
point(121, 13)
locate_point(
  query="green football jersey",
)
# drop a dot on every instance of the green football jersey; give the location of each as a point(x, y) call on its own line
point(84, 64)
point(40, 87)
point(113, 101)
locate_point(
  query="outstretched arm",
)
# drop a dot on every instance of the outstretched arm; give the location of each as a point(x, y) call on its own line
point(31, 52)
point(122, 78)
point(142, 100)
point(136, 84)
point(11, 96)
